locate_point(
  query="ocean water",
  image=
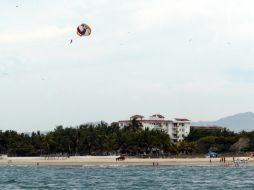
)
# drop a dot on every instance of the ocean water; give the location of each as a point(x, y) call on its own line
point(126, 177)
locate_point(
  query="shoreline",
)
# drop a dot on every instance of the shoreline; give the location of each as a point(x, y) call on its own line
point(107, 161)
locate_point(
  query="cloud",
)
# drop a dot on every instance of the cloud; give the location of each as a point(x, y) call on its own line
point(138, 58)
point(33, 34)
point(224, 19)
point(240, 74)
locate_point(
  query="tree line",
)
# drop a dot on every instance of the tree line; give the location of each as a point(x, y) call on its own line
point(104, 139)
point(221, 141)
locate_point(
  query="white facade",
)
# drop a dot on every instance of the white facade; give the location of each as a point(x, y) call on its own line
point(177, 129)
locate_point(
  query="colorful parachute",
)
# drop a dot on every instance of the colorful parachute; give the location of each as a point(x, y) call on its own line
point(84, 30)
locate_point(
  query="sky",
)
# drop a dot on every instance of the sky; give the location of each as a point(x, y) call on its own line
point(179, 58)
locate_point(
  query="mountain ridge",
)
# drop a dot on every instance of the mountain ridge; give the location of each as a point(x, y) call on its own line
point(238, 122)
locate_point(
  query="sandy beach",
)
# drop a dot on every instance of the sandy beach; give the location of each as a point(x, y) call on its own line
point(111, 160)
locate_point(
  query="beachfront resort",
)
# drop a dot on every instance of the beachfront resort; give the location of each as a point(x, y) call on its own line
point(177, 128)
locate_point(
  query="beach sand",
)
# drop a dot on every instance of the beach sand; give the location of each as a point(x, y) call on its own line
point(111, 160)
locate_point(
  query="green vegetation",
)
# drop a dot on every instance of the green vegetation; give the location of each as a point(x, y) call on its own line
point(221, 141)
point(86, 140)
point(103, 139)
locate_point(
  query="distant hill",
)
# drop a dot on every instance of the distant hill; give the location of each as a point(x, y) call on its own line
point(238, 122)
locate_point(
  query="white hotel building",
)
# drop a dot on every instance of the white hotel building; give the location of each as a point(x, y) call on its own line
point(177, 129)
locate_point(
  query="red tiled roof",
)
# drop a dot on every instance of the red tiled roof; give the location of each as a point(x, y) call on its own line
point(149, 121)
point(181, 119)
point(207, 127)
point(137, 116)
point(156, 121)
point(158, 115)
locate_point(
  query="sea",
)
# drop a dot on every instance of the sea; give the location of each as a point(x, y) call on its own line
point(126, 177)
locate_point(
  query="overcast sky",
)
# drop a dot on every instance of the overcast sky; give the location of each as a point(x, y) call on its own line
point(180, 58)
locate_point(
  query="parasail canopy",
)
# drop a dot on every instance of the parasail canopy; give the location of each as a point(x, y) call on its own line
point(83, 30)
